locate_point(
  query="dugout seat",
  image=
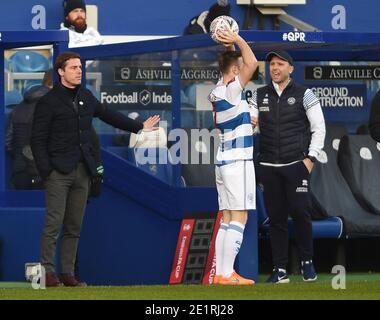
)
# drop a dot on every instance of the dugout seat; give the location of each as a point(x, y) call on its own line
point(359, 162)
point(29, 61)
point(29, 84)
point(363, 129)
point(330, 227)
point(331, 194)
point(198, 159)
point(12, 98)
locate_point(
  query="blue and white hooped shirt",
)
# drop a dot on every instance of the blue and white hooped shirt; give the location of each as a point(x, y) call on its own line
point(232, 118)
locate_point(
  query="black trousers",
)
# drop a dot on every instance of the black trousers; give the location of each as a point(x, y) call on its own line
point(286, 192)
point(66, 198)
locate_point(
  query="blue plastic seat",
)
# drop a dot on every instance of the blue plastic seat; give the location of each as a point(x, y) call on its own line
point(29, 61)
point(331, 227)
point(29, 84)
point(12, 98)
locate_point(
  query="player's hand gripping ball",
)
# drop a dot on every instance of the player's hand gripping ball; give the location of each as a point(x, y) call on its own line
point(224, 23)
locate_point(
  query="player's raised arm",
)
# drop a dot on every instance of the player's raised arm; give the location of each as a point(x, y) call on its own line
point(228, 38)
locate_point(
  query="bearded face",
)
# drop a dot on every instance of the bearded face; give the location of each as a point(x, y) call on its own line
point(78, 22)
point(77, 19)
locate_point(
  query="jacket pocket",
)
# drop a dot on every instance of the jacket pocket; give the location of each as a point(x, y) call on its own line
point(305, 168)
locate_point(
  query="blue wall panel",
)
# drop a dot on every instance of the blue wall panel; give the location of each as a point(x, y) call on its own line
point(149, 17)
point(361, 16)
point(20, 233)
point(125, 243)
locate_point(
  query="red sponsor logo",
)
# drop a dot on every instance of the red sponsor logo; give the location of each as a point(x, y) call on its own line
point(181, 251)
point(210, 268)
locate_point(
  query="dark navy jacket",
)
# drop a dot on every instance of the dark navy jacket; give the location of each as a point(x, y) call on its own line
point(61, 135)
point(284, 127)
point(20, 129)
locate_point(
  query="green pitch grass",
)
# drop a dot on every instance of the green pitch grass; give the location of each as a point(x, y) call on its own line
point(358, 286)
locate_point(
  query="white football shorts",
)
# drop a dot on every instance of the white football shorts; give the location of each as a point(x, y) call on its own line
point(236, 185)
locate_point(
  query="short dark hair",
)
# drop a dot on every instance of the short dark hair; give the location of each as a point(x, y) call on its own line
point(227, 58)
point(61, 60)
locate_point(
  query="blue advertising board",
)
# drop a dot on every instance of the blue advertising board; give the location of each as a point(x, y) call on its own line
point(342, 103)
point(132, 97)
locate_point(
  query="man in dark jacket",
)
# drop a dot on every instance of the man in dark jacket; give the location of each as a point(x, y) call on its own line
point(292, 133)
point(374, 118)
point(64, 154)
point(24, 172)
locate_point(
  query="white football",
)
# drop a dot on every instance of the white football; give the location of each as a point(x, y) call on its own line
point(223, 22)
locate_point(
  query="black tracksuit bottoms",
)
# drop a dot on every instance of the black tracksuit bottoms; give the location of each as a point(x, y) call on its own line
point(286, 193)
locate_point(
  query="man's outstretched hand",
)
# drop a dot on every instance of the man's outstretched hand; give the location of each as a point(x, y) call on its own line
point(149, 124)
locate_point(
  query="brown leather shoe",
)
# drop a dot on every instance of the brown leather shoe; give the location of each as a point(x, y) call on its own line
point(51, 280)
point(69, 281)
